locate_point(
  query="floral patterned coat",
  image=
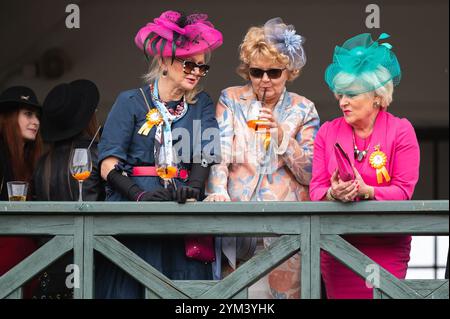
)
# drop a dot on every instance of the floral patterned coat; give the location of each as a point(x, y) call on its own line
point(238, 174)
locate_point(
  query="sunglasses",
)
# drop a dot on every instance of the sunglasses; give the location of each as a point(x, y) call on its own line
point(190, 66)
point(271, 73)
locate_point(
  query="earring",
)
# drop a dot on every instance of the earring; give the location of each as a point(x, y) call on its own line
point(376, 105)
point(164, 73)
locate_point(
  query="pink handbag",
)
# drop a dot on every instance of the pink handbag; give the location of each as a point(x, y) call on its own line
point(200, 248)
point(343, 163)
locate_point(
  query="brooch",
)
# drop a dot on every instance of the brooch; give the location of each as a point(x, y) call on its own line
point(152, 118)
point(378, 161)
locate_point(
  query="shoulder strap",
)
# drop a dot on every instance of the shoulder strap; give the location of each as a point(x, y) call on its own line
point(145, 99)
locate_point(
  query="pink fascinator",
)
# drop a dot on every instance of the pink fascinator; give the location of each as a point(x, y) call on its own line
point(174, 34)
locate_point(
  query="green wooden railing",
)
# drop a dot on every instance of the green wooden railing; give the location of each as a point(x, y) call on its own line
point(303, 228)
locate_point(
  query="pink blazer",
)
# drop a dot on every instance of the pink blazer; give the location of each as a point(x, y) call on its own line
point(396, 138)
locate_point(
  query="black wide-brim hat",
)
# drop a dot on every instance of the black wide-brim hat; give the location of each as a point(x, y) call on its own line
point(18, 96)
point(67, 110)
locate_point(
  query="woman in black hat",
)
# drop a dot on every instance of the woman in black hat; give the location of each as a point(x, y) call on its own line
point(20, 148)
point(68, 122)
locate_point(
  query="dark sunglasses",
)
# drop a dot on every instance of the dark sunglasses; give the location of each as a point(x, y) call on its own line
point(190, 66)
point(271, 73)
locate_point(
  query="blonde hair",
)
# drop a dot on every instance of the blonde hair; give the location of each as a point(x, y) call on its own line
point(254, 47)
point(155, 72)
point(379, 78)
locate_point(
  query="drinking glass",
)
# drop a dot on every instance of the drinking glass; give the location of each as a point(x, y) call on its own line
point(253, 120)
point(17, 191)
point(260, 126)
point(166, 168)
point(80, 166)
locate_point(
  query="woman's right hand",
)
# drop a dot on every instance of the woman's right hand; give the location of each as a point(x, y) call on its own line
point(217, 198)
point(343, 191)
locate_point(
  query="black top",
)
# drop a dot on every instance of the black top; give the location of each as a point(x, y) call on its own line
point(5, 170)
point(53, 182)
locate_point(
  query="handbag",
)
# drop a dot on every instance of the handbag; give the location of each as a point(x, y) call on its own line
point(343, 164)
point(200, 248)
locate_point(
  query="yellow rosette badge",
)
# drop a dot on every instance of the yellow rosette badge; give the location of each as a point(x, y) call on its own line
point(153, 118)
point(378, 161)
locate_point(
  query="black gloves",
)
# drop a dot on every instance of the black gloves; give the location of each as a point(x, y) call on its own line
point(160, 195)
point(195, 184)
point(125, 186)
point(193, 189)
point(185, 192)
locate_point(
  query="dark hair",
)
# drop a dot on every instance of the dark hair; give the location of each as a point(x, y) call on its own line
point(22, 159)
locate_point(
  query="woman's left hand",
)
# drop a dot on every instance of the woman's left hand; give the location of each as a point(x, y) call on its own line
point(267, 114)
point(364, 191)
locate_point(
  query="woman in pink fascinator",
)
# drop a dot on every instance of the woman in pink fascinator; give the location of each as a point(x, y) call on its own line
point(147, 153)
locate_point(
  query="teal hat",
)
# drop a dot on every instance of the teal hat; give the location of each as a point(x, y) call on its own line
point(362, 65)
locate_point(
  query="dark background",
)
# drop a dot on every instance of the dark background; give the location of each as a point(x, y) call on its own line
point(103, 51)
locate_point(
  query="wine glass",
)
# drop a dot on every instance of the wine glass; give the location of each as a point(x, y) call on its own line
point(166, 168)
point(80, 166)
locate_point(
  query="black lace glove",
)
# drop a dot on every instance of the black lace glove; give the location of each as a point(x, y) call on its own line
point(124, 185)
point(195, 184)
point(185, 192)
point(158, 195)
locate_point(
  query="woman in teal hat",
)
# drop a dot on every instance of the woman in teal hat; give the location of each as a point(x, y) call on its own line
point(382, 154)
